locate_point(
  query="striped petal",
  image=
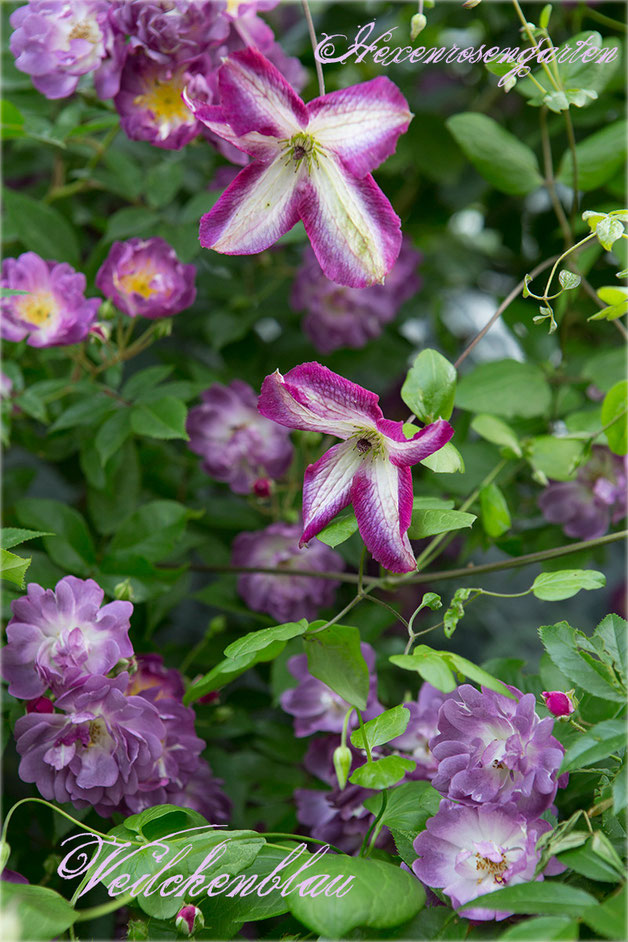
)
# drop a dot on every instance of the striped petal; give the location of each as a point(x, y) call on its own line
point(360, 124)
point(408, 451)
point(382, 499)
point(213, 117)
point(327, 487)
point(255, 210)
point(256, 97)
point(353, 229)
point(312, 398)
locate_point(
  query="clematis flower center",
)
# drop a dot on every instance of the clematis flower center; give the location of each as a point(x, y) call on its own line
point(369, 443)
point(301, 147)
point(164, 99)
point(38, 308)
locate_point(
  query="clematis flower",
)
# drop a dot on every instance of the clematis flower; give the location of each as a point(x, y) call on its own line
point(144, 278)
point(312, 162)
point(369, 469)
point(469, 852)
point(285, 597)
point(54, 312)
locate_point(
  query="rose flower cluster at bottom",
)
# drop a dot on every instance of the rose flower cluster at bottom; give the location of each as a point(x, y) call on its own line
point(106, 737)
point(491, 756)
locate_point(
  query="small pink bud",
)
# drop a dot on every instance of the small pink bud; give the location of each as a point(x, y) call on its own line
point(40, 705)
point(261, 487)
point(212, 697)
point(189, 919)
point(559, 703)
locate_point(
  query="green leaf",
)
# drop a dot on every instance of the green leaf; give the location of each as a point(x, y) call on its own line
point(597, 743)
point(557, 458)
point(164, 418)
point(43, 913)
point(500, 157)
point(608, 231)
point(112, 434)
point(258, 640)
point(430, 386)
point(505, 387)
point(151, 532)
point(12, 121)
point(40, 228)
point(334, 656)
point(163, 181)
point(548, 898)
point(130, 221)
point(13, 536)
point(592, 74)
point(144, 380)
point(447, 460)
point(494, 511)
point(429, 665)
point(614, 407)
point(13, 568)
point(230, 668)
point(612, 632)
point(561, 643)
point(549, 928)
point(388, 725)
point(608, 919)
point(455, 612)
point(562, 584)
point(568, 280)
point(87, 411)
point(408, 806)
point(477, 674)
point(72, 547)
point(598, 156)
point(496, 431)
point(430, 522)
point(340, 529)
point(381, 895)
point(612, 294)
point(382, 773)
point(588, 862)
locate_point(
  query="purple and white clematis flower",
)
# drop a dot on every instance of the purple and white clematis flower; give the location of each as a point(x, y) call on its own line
point(369, 469)
point(312, 162)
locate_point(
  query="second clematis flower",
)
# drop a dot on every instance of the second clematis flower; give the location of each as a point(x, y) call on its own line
point(369, 469)
point(312, 162)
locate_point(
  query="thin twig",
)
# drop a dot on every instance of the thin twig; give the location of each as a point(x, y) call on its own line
point(314, 41)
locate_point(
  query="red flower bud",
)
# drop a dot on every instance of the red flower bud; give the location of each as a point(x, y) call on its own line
point(40, 705)
point(261, 487)
point(559, 703)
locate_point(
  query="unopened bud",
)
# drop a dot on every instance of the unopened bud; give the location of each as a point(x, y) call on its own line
point(559, 703)
point(261, 488)
point(469, 4)
point(417, 25)
point(123, 591)
point(162, 328)
point(342, 764)
point(188, 920)
point(509, 83)
point(40, 705)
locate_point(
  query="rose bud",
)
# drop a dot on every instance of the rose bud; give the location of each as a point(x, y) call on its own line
point(40, 705)
point(559, 703)
point(188, 920)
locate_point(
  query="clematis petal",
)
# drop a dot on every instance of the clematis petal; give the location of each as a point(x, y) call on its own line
point(214, 118)
point(254, 211)
point(312, 398)
point(360, 124)
point(353, 229)
point(256, 97)
point(327, 487)
point(407, 451)
point(382, 499)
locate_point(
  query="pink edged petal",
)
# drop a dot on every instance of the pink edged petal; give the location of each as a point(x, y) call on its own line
point(353, 229)
point(213, 117)
point(361, 124)
point(327, 487)
point(381, 495)
point(254, 211)
point(312, 398)
point(407, 451)
point(256, 97)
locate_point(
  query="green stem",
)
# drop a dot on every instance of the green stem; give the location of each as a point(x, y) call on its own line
point(605, 20)
point(94, 912)
point(301, 837)
point(365, 738)
point(571, 137)
point(550, 179)
point(47, 804)
point(533, 42)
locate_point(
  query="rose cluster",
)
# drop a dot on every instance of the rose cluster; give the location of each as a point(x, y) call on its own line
point(142, 277)
point(104, 728)
point(143, 53)
point(494, 760)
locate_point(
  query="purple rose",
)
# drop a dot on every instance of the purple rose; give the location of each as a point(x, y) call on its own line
point(55, 312)
point(586, 507)
point(423, 725)
point(317, 708)
point(152, 675)
point(150, 102)
point(284, 596)
point(490, 748)
point(57, 41)
point(170, 31)
point(144, 278)
point(237, 444)
point(56, 638)
point(337, 316)
point(98, 752)
point(468, 852)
